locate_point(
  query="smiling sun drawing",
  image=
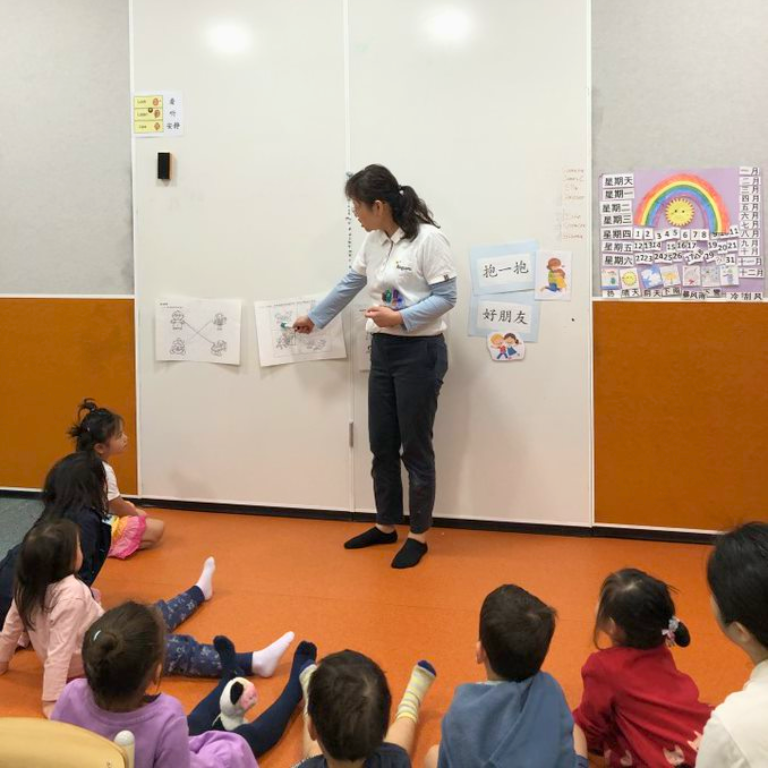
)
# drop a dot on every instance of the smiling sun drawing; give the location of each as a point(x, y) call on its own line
point(679, 212)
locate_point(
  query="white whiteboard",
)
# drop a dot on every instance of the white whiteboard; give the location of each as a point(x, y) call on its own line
point(254, 212)
point(482, 128)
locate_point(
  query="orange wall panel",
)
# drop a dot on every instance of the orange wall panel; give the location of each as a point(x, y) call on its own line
point(681, 413)
point(55, 352)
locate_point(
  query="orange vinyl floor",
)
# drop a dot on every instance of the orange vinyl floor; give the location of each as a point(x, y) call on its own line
point(275, 575)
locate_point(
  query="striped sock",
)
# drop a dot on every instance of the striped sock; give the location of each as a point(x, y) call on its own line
point(422, 677)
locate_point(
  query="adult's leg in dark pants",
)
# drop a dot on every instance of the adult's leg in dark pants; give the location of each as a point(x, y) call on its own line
point(384, 435)
point(418, 379)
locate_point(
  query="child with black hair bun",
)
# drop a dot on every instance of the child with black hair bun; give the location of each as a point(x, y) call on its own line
point(637, 708)
point(101, 431)
point(123, 658)
point(737, 573)
point(55, 608)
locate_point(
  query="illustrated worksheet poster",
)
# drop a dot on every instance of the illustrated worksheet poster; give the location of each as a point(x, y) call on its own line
point(682, 234)
point(198, 330)
point(280, 344)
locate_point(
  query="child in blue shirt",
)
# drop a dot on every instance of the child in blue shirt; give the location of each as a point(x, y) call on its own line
point(518, 718)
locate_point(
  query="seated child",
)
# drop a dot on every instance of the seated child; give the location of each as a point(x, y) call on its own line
point(56, 609)
point(518, 718)
point(75, 489)
point(123, 658)
point(637, 707)
point(347, 713)
point(737, 573)
point(100, 431)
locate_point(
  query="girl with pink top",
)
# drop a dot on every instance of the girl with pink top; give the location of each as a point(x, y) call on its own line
point(123, 658)
point(55, 608)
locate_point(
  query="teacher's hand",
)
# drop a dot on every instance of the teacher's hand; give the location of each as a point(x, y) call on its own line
point(303, 325)
point(384, 317)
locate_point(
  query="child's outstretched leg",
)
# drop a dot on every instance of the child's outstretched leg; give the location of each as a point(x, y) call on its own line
point(178, 609)
point(403, 730)
point(203, 716)
point(264, 732)
point(185, 656)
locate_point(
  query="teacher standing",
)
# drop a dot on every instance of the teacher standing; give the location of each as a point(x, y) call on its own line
point(406, 264)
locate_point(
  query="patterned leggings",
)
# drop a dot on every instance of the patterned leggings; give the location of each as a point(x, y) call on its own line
point(183, 654)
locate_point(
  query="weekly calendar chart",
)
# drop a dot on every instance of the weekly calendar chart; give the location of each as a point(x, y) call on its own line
point(682, 234)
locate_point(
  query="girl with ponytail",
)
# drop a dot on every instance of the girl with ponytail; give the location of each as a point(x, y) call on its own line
point(406, 264)
point(100, 433)
point(637, 707)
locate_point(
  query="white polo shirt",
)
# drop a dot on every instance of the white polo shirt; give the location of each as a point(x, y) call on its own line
point(735, 735)
point(400, 272)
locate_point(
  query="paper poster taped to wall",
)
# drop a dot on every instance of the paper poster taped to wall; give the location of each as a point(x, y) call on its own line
point(553, 276)
point(505, 347)
point(663, 223)
point(280, 344)
point(516, 313)
point(503, 268)
point(198, 330)
point(159, 113)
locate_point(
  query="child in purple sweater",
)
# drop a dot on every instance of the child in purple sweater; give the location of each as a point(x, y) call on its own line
point(123, 659)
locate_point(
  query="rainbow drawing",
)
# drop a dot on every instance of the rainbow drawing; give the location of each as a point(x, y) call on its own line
point(700, 192)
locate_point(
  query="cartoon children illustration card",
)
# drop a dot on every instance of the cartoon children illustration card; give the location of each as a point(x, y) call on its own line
point(505, 347)
point(553, 275)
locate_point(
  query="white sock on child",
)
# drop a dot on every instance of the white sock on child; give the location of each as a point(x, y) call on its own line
point(205, 582)
point(266, 660)
point(422, 677)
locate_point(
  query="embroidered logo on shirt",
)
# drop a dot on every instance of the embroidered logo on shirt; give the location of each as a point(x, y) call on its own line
point(403, 267)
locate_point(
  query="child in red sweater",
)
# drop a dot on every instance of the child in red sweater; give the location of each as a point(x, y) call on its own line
point(637, 708)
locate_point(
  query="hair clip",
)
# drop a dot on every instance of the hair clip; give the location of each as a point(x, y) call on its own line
point(96, 634)
point(669, 632)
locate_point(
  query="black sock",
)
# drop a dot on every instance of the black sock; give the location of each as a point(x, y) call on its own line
point(370, 538)
point(226, 650)
point(410, 554)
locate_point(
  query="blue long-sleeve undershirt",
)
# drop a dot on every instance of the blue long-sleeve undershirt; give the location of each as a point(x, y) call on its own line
point(442, 298)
